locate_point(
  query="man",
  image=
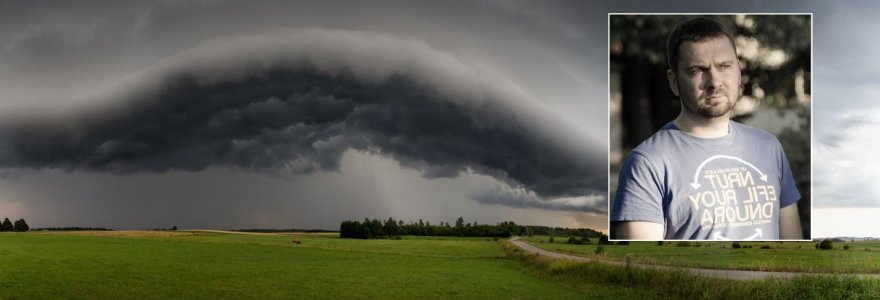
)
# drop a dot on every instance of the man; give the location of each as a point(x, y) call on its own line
point(703, 176)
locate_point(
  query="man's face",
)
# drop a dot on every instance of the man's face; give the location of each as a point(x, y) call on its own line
point(707, 77)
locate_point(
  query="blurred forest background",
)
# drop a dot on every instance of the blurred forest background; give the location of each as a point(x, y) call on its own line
point(775, 58)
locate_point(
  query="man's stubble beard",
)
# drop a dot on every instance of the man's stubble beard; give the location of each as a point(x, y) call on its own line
point(711, 112)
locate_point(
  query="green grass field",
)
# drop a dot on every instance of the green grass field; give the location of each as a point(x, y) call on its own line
point(787, 256)
point(681, 284)
point(161, 265)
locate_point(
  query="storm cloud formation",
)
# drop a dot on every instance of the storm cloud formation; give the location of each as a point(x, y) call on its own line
point(296, 101)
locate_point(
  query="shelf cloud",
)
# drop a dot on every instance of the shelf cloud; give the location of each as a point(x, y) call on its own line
point(293, 101)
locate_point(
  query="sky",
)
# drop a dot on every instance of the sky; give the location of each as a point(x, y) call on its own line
point(232, 114)
point(229, 114)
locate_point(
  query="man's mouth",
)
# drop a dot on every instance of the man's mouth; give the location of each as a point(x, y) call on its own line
point(715, 99)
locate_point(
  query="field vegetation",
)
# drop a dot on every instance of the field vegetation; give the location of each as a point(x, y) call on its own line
point(194, 264)
point(861, 257)
point(680, 284)
point(210, 264)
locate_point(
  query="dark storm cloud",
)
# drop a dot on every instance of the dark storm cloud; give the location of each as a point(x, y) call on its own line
point(296, 102)
point(520, 198)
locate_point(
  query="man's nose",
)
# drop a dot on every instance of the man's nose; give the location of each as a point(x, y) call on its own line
point(713, 78)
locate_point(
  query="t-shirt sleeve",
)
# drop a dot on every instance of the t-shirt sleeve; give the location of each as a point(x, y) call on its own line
point(789, 194)
point(639, 194)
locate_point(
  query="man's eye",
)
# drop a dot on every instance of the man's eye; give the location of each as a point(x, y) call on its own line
point(693, 71)
point(724, 67)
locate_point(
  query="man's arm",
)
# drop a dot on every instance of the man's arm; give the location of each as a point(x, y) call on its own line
point(790, 223)
point(637, 211)
point(639, 230)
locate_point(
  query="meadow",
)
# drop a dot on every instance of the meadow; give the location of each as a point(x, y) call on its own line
point(681, 284)
point(199, 264)
point(862, 257)
point(182, 264)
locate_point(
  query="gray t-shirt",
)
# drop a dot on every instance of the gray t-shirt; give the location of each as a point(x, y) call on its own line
point(727, 188)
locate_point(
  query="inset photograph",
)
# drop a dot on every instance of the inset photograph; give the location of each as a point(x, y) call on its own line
point(709, 127)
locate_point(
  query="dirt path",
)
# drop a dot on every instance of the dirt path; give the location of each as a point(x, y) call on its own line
point(729, 274)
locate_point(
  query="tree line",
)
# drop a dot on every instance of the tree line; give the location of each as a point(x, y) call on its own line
point(375, 228)
point(19, 225)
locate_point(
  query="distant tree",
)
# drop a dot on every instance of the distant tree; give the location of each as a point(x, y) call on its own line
point(845, 247)
point(20, 225)
point(586, 241)
point(459, 227)
point(659, 243)
point(736, 245)
point(600, 249)
point(174, 227)
point(6, 225)
point(391, 227)
point(826, 244)
point(365, 232)
point(345, 229)
point(550, 240)
point(603, 240)
point(376, 228)
point(683, 244)
point(529, 232)
point(510, 227)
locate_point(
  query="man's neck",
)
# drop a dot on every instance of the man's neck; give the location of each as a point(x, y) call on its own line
point(701, 127)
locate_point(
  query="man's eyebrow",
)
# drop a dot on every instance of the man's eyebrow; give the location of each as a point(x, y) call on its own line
point(696, 65)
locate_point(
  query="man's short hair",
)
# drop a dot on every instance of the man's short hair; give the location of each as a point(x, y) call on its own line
point(694, 30)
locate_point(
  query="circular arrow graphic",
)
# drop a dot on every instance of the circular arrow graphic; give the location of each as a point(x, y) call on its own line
point(696, 184)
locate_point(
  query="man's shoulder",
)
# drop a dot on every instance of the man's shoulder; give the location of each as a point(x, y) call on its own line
point(656, 143)
point(754, 134)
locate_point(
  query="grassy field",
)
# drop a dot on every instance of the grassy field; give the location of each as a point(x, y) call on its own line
point(184, 264)
point(787, 256)
point(680, 284)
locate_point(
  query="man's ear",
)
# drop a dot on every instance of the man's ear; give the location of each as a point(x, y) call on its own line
point(673, 82)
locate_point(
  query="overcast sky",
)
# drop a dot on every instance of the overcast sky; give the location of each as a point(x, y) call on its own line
point(225, 114)
point(222, 114)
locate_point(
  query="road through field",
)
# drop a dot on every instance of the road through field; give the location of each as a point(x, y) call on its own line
point(730, 274)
